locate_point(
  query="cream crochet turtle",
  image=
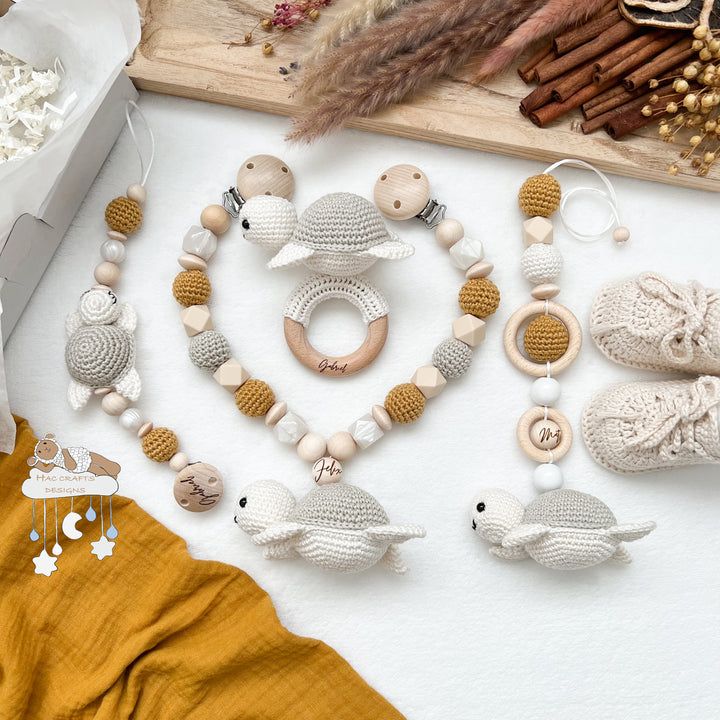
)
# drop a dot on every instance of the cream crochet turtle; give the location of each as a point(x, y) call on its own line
point(100, 350)
point(337, 527)
point(341, 234)
point(561, 529)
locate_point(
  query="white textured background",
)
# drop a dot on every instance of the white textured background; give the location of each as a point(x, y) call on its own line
point(462, 636)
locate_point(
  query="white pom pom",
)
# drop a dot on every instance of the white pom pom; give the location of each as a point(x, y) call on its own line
point(541, 263)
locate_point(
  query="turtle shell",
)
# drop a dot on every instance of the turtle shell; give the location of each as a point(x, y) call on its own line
point(99, 355)
point(339, 506)
point(570, 509)
point(341, 222)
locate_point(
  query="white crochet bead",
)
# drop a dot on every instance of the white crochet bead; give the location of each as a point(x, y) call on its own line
point(365, 431)
point(200, 242)
point(547, 477)
point(545, 391)
point(113, 251)
point(290, 428)
point(131, 420)
point(541, 263)
point(466, 252)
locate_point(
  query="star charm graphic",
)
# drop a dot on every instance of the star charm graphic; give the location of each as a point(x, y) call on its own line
point(45, 564)
point(102, 548)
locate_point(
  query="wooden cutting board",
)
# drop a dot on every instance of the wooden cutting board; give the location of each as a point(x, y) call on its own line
point(184, 51)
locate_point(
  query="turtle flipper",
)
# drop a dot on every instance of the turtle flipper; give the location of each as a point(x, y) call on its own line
point(73, 322)
point(128, 318)
point(516, 553)
point(394, 533)
point(632, 531)
point(393, 559)
point(130, 386)
point(524, 534)
point(78, 394)
point(277, 533)
point(621, 555)
point(279, 551)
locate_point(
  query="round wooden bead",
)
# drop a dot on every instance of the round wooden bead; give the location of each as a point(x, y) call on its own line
point(145, 428)
point(621, 234)
point(381, 417)
point(276, 413)
point(137, 193)
point(130, 419)
point(401, 192)
point(115, 235)
point(198, 487)
point(113, 251)
point(448, 232)
point(178, 461)
point(192, 262)
point(342, 446)
point(545, 435)
point(265, 175)
point(546, 291)
point(327, 470)
point(216, 219)
point(102, 391)
point(115, 404)
point(107, 273)
point(311, 447)
point(479, 270)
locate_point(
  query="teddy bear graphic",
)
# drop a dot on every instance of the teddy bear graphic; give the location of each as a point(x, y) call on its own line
point(48, 455)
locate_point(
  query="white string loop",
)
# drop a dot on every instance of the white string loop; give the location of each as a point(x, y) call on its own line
point(144, 170)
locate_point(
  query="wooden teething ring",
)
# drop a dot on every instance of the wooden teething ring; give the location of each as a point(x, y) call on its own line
point(525, 425)
point(541, 307)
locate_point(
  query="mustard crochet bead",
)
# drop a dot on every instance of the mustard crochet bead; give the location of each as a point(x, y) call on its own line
point(546, 339)
point(191, 287)
point(479, 297)
point(160, 444)
point(405, 403)
point(123, 215)
point(254, 398)
point(540, 195)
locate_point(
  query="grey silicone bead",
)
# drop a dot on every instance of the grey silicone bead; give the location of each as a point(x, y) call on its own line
point(452, 358)
point(209, 350)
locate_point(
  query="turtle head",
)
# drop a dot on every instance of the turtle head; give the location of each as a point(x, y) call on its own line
point(494, 513)
point(262, 504)
point(268, 221)
point(99, 306)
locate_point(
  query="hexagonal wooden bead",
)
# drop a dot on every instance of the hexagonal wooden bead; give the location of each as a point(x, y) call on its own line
point(196, 319)
point(466, 252)
point(469, 329)
point(429, 381)
point(538, 230)
point(231, 375)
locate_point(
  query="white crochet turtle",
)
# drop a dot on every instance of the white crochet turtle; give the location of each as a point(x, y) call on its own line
point(337, 527)
point(341, 234)
point(561, 529)
point(100, 350)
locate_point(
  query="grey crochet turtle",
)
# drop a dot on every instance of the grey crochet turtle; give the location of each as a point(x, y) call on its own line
point(100, 349)
point(336, 526)
point(561, 529)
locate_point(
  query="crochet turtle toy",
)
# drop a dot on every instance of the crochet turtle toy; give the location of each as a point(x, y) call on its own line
point(100, 350)
point(337, 526)
point(561, 529)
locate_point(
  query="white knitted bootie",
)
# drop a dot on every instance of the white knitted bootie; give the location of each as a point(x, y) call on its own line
point(641, 426)
point(652, 323)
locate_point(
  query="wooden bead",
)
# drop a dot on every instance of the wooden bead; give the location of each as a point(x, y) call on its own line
point(231, 375)
point(115, 404)
point(198, 487)
point(276, 413)
point(137, 193)
point(341, 446)
point(178, 461)
point(115, 235)
point(216, 219)
point(545, 435)
point(197, 319)
point(546, 291)
point(107, 273)
point(102, 391)
point(621, 234)
point(327, 470)
point(265, 175)
point(192, 262)
point(469, 329)
point(429, 380)
point(381, 417)
point(479, 270)
point(311, 447)
point(448, 232)
point(401, 192)
point(144, 429)
point(537, 230)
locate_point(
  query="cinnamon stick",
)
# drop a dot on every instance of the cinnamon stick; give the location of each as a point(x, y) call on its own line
point(624, 97)
point(540, 96)
point(543, 116)
point(634, 105)
point(606, 40)
point(673, 56)
point(632, 119)
point(584, 33)
point(568, 85)
point(633, 60)
point(527, 70)
point(603, 97)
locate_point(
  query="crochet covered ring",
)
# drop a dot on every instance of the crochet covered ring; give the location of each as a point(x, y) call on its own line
point(357, 291)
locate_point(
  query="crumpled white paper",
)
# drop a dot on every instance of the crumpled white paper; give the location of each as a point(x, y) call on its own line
point(93, 39)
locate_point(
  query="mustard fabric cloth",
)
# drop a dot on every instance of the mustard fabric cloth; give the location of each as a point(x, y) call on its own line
point(150, 632)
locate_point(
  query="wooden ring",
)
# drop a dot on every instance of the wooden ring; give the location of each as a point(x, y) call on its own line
point(296, 337)
point(540, 307)
point(526, 423)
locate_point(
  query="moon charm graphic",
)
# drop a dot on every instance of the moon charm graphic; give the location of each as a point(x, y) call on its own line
point(68, 526)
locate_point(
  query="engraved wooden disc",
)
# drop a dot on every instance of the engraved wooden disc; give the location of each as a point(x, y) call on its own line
point(198, 487)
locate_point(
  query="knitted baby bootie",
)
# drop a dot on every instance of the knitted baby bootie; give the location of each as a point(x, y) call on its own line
point(641, 426)
point(652, 323)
